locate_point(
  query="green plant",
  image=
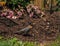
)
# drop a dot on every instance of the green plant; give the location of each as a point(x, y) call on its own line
point(14, 3)
point(16, 42)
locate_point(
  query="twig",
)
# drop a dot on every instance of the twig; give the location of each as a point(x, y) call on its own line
point(7, 22)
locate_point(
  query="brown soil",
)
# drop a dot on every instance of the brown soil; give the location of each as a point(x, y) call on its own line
point(44, 28)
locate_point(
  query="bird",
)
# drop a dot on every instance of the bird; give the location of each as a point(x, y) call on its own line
point(24, 31)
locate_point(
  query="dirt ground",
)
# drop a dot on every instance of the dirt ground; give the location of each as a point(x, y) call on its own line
point(43, 28)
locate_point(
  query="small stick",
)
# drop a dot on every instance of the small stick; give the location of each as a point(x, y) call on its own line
point(7, 22)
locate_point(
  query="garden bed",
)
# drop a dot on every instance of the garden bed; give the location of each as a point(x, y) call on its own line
point(43, 28)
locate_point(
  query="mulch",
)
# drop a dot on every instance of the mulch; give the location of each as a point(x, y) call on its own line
point(44, 28)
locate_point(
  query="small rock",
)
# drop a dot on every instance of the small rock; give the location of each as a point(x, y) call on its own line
point(48, 23)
